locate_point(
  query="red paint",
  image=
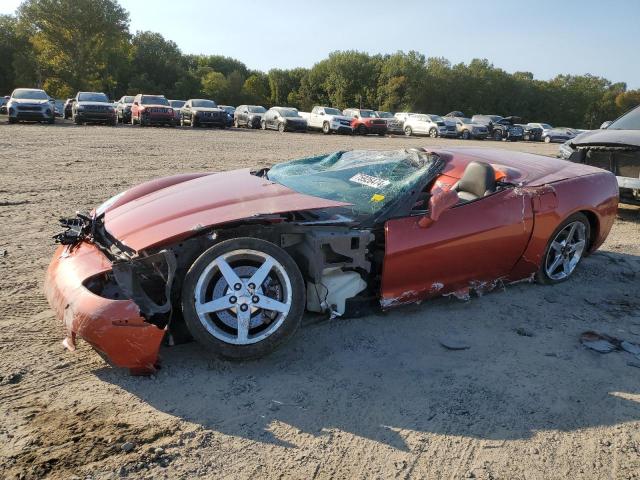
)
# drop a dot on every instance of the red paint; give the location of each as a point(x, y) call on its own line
point(170, 214)
point(113, 327)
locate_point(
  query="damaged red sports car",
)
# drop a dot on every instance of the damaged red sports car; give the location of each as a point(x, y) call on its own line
point(237, 257)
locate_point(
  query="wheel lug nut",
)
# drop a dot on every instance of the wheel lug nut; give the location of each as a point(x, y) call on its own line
point(237, 286)
point(244, 307)
point(252, 286)
point(255, 299)
point(232, 299)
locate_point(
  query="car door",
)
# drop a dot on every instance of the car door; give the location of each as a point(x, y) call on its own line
point(470, 245)
point(185, 111)
point(243, 116)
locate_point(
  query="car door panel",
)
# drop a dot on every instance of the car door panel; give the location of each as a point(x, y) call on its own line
point(470, 245)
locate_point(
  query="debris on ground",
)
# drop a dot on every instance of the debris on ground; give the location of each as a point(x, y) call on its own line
point(451, 342)
point(523, 332)
point(602, 343)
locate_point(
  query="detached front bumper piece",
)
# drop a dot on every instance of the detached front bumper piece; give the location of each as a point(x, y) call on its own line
point(114, 327)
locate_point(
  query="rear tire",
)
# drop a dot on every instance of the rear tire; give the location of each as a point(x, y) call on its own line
point(212, 306)
point(566, 246)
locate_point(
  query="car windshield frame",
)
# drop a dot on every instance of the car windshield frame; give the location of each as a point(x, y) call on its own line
point(93, 97)
point(256, 109)
point(332, 111)
point(369, 114)
point(628, 121)
point(385, 114)
point(154, 100)
point(203, 103)
point(372, 183)
point(29, 94)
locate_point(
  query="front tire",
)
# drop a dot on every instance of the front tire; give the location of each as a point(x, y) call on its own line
point(547, 139)
point(326, 128)
point(281, 127)
point(407, 131)
point(565, 250)
point(466, 135)
point(433, 133)
point(497, 136)
point(243, 297)
point(362, 129)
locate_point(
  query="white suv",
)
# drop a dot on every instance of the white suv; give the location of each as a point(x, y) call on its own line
point(425, 124)
point(30, 105)
point(328, 120)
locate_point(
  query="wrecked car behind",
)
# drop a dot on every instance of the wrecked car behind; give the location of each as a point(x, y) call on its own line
point(238, 256)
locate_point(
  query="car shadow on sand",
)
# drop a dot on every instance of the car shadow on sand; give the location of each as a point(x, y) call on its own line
point(386, 375)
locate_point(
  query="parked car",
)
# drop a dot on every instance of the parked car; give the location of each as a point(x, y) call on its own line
point(93, 107)
point(543, 126)
point(305, 235)
point(455, 114)
point(230, 111)
point(123, 108)
point(59, 108)
point(152, 110)
point(30, 105)
point(530, 133)
point(3, 104)
point(467, 130)
point(558, 134)
point(364, 121)
point(500, 128)
point(327, 120)
point(177, 105)
point(284, 119)
point(393, 124)
point(425, 124)
point(249, 116)
point(402, 116)
point(615, 148)
point(198, 112)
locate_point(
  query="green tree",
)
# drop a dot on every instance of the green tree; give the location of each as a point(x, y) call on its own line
point(256, 89)
point(215, 86)
point(78, 44)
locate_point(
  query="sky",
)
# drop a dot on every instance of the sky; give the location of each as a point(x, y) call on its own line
point(545, 37)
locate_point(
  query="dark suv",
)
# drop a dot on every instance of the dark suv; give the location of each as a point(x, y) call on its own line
point(500, 128)
point(93, 107)
point(249, 116)
point(152, 110)
point(201, 112)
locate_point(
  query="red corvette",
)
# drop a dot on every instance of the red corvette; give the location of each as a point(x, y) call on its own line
point(237, 257)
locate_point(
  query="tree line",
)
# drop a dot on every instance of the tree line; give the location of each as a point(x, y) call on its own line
point(65, 46)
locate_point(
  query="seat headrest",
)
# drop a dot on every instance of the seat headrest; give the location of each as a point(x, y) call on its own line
point(478, 178)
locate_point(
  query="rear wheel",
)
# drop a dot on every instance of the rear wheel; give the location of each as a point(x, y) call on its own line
point(566, 248)
point(243, 297)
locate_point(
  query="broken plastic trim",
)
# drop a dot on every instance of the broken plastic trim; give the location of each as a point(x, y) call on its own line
point(141, 279)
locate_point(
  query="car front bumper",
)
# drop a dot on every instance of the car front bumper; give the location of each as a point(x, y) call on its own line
point(114, 328)
point(96, 116)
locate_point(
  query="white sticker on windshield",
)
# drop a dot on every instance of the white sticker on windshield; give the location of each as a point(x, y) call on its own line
point(369, 181)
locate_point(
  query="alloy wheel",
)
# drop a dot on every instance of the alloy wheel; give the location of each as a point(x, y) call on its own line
point(566, 251)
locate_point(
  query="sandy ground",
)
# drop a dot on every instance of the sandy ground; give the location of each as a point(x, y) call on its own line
point(375, 397)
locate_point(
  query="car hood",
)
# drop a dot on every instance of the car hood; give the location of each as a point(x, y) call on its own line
point(207, 109)
point(28, 101)
point(170, 211)
point(608, 137)
point(94, 104)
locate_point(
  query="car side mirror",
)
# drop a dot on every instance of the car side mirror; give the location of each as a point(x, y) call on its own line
point(440, 201)
point(606, 124)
